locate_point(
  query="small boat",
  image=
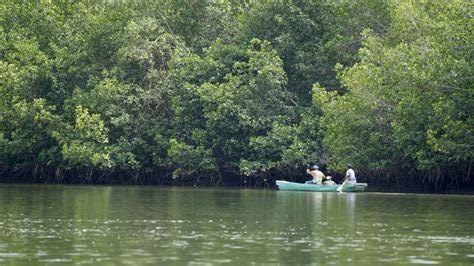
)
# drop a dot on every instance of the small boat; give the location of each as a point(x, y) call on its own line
point(291, 186)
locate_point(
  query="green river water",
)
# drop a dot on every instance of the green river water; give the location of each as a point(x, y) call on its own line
point(99, 225)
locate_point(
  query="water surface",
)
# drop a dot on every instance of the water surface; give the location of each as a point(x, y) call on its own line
point(44, 224)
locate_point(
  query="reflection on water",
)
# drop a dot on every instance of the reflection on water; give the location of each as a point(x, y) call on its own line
point(139, 225)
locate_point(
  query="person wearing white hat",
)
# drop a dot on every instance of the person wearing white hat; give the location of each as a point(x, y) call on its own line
point(329, 181)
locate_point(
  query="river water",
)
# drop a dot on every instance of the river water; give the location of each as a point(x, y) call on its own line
point(44, 224)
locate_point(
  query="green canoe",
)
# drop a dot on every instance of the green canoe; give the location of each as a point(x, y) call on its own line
point(287, 186)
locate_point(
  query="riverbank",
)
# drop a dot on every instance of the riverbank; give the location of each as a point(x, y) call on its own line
point(230, 182)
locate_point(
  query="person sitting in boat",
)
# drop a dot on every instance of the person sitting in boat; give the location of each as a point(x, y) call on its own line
point(350, 175)
point(316, 174)
point(328, 181)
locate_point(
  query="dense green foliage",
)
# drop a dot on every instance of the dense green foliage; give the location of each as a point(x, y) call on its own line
point(170, 91)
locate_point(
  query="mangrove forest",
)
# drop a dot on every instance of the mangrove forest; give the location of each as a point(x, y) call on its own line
point(237, 93)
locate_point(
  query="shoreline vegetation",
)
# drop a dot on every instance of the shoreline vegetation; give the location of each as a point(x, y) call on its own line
point(223, 93)
point(95, 177)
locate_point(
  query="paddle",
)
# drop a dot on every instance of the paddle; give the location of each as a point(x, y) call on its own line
point(340, 187)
